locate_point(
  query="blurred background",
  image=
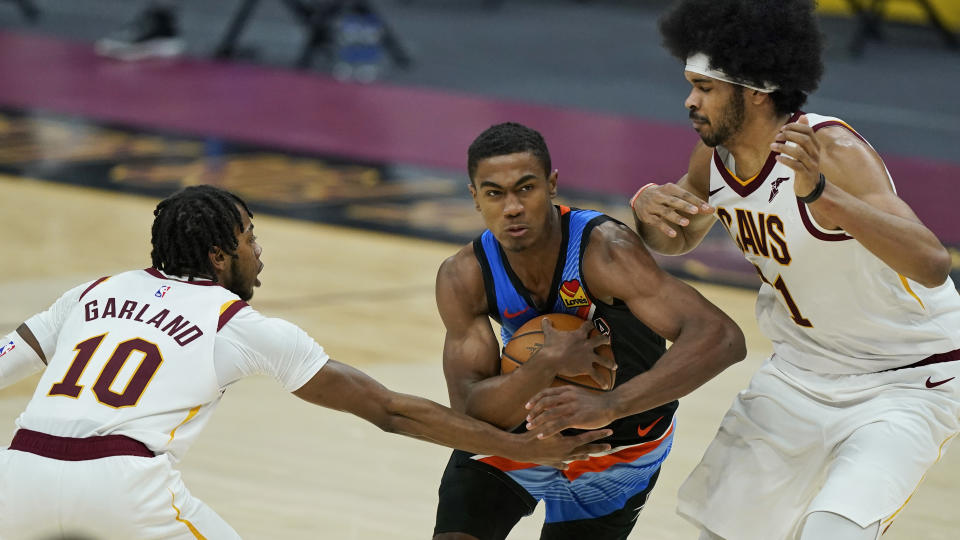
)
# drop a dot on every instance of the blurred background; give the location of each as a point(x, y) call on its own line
point(359, 112)
point(338, 118)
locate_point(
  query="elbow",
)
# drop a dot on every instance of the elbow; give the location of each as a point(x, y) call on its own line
point(673, 249)
point(937, 269)
point(391, 415)
point(732, 344)
point(670, 246)
point(473, 410)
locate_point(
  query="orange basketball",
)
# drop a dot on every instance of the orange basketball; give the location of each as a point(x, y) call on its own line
point(528, 340)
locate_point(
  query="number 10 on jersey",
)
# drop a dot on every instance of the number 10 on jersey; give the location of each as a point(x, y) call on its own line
point(136, 385)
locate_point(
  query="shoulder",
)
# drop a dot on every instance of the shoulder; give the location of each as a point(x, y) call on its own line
point(249, 328)
point(611, 242)
point(698, 170)
point(848, 160)
point(245, 320)
point(460, 279)
point(462, 266)
point(616, 262)
point(700, 159)
point(838, 133)
point(834, 135)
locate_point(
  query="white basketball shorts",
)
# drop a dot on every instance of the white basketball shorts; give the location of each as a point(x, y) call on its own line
point(112, 498)
point(796, 442)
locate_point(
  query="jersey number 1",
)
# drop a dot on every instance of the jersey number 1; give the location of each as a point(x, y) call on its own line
point(138, 382)
point(781, 286)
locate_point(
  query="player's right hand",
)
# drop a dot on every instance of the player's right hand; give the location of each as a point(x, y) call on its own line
point(574, 352)
point(667, 206)
point(558, 450)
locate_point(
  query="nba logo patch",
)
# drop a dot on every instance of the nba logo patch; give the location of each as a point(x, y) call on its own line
point(573, 295)
point(162, 291)
point(7, 348)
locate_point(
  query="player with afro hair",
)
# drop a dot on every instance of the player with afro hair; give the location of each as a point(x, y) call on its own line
point(837, 427)
point(760, 41)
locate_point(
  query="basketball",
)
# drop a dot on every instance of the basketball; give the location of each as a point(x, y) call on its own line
point(528, 340)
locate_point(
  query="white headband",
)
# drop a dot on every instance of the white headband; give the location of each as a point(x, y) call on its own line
point(700, 63)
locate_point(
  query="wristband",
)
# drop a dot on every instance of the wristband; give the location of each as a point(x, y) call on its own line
point(816, 193)
point(637, 194)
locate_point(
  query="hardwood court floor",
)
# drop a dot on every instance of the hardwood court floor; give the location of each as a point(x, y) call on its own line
point(278, 468)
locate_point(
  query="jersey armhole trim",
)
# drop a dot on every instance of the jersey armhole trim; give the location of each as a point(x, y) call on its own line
point(815, 230)
point(489, 287)
point(829, 123)
point(228, 310)
point(584, 240)
point(92, 285)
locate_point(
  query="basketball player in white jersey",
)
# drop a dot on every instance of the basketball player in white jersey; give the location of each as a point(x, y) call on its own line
point(134, 365)
point(862, 393)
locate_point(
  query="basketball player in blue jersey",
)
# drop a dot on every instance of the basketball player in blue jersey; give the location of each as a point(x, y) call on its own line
point(537, 258)
point(134, 365)
point(862, 393)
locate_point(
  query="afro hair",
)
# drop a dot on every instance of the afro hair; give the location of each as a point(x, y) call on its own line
point(758, 41)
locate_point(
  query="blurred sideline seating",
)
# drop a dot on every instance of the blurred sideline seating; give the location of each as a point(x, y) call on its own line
point(941, 16)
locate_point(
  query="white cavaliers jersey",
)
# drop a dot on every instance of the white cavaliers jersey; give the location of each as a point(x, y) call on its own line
point(826, 302)
point(133, 355)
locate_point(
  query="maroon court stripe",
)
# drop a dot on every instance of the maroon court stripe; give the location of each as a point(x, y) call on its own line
point(309, 112)
point(304, 111)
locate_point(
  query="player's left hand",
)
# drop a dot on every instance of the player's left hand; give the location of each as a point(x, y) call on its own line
point(799, 150)
point(558, 451)
point(556, 409)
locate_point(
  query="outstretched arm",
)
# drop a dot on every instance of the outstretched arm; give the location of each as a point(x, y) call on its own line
point(859, 199)
point(705, 340)
point(343, 388)
point(20, 356)
point(22, 352)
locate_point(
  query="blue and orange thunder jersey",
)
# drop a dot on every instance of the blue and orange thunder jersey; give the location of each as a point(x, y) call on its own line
point(635, 347)
point(510, 303)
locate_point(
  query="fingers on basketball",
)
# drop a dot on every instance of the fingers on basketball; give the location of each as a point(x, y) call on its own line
point(528, 340)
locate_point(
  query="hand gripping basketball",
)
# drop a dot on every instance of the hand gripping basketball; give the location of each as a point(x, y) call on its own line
point(581, 354)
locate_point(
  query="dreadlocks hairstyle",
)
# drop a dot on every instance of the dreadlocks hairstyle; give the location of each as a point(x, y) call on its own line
point(507, 138)
point(759, 41)
point(189, 223)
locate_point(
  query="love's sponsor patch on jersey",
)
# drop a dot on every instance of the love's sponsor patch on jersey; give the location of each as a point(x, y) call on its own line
point(573, 295)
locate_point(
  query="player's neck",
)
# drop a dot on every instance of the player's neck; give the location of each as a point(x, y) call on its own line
point(536, 264)
point(751, 145)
